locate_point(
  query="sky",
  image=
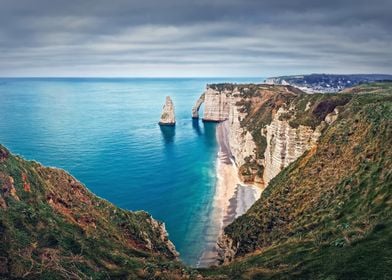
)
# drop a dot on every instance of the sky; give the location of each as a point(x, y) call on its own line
point(194, 38)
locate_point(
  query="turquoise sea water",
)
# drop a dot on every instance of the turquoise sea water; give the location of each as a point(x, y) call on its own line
point(105, 133)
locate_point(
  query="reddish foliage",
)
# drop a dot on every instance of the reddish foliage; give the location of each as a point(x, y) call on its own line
point(26, 185)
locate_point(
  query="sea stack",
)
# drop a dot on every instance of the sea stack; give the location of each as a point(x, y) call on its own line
point(168, 117)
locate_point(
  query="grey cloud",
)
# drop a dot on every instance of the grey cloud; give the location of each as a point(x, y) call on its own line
point(227, 37)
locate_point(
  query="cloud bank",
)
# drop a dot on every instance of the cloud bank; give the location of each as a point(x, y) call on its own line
point(194, 38)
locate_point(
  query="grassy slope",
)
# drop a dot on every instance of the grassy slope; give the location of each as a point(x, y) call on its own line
point(52, 227)
point(261, 101)
point(327, 215)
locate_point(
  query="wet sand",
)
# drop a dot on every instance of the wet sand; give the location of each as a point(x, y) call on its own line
point(232, 199)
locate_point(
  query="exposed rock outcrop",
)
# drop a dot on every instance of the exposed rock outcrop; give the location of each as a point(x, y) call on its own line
point(270, 126)
point(58, 219)
point(168, 115)
point(195, 109)
point(226, 249)
point(163, 236)
point(221, 103)
point(340, 184)
point(285, 144)
point(331, 117)
point(3, 154)
point(241, 141)
point(238, 104)
point(7, 186)
point(216, 105)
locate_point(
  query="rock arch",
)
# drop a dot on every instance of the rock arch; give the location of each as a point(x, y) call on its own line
point(195, 109)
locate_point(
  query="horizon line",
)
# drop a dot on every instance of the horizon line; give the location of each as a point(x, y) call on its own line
point(125, 77)
point(182, 77)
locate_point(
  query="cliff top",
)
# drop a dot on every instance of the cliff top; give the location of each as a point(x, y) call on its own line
point(253, 89)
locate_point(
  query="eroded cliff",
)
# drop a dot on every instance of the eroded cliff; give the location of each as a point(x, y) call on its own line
point(53, 226)
point(327, 215)
point(268, 125)
point(285, 143)
point(217, 104)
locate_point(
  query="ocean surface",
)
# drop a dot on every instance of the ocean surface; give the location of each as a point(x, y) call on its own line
point(105, 133)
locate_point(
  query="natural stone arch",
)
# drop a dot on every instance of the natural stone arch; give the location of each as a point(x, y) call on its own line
point(195, 109)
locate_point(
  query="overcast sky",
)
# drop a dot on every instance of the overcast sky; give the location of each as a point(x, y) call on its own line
point(194, 37)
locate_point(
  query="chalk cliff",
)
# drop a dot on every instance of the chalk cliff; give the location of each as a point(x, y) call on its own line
point(168, 115)
point(262, 144)
point(241, 140)
point(325, 216)
point(269, 128)
point(217, 105)
point(285, 143)
point(331, 205)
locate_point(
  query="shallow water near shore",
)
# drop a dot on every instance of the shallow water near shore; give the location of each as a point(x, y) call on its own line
point(105, 133)
point(232, 198)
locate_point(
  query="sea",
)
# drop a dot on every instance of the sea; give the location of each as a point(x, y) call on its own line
point(105, 132)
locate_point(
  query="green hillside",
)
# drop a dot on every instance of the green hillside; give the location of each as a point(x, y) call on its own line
point(52, 227)
point(328, 215)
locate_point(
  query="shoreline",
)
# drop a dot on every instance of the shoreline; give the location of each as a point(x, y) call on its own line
point(232, 198)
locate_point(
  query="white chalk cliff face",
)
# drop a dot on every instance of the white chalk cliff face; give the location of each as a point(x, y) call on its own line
point(241, 141)
point(266, 132)
point(216, 105)
point(285, 144)
point(220, 106)
point(168, 115)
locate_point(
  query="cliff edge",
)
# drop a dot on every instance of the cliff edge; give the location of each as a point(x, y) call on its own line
point(270, 126)
point(53, 227)
point(327, 215)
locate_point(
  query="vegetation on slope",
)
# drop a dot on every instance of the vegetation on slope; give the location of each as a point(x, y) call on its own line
point(52, 227)
point(328, 82)
point(327, 215)
point(261, 102)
